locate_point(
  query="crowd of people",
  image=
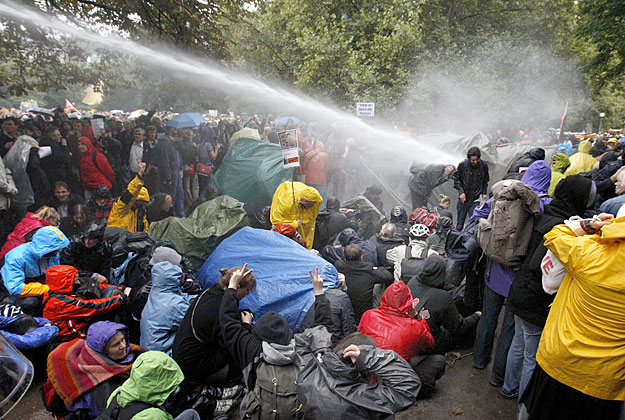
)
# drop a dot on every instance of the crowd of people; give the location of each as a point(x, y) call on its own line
point(128, 332)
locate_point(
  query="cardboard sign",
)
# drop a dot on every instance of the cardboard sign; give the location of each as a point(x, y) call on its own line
point(97, 124)
point(290, 150)
point(365, 109)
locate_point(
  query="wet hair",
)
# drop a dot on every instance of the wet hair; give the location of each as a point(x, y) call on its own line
point(442, 199)
point(59, 184)
point(388, 230)
point(353, 252)
point(51, 130)
point(474, 151)
point(358, 339)
point(247, 281)
point(78, 208)
point(48, 214)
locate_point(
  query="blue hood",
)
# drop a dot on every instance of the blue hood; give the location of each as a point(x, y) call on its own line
point(538, 177)
point(48, 239)
point(482, 211)
point(101, 332)
point(166, 277)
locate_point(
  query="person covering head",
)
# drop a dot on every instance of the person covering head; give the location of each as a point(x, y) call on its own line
point(433, 271)
point(571, 197)
point(581, 161)
point(559, 164)
point(307, 201)
point(538, 177)
point(273, 328)
point(94, 231)
point(165, 253)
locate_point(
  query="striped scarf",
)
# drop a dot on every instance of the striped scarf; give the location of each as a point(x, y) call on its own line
point(74, 369)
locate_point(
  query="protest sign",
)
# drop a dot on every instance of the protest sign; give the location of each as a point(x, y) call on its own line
point(365, 109)
point(289, 146)
point(97, 124)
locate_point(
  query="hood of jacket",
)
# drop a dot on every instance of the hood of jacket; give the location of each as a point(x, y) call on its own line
point(273, 328)
point(397, 298)
point(402, 217)
point(560, 162)
point(60, 278)
point(99, 333)
point(154, 376)
point(482, 211)
point(86, 142)
point(279, 354)
point(537, 153)
point(570, 197)
point(433, 271)
point(584, 146)
point(48, 239)
point(347, 237)
point(538, 177)
point(166, 277)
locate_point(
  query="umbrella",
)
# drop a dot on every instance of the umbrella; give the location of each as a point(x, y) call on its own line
point(42, 111)
point(284, 120)
point(187, 119)
point(136, 114)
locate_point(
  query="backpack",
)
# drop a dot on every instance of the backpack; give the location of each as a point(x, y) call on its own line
point(426, 217)
point(410, 266)
point(505, 234)
point(116, 412)
point(274, 396)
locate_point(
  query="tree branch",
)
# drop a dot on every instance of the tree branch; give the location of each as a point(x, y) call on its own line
point(517, 9)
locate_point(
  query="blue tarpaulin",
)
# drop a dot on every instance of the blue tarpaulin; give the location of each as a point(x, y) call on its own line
point(281, 268)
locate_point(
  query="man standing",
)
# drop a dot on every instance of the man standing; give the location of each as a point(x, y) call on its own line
point(8, 135)
point(166, 159)
point(316, 164)
point(136, 152)
point(471, 181)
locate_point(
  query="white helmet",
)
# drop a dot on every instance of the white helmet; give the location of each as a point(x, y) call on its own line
point(419, 230)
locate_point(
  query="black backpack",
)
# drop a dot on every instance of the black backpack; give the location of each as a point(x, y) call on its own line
point(116, 412)
point(410, 266)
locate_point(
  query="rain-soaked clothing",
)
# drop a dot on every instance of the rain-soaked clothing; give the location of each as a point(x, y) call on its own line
point(124, 214)
point(282, 208)
point(581, 161)
point(559, 164)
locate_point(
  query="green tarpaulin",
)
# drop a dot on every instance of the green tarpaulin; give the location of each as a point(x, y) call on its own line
point(198, 235)
point(251, 171)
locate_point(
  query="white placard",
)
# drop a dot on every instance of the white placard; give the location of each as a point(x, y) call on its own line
point(213, 112)
point(365, 109)
point(97, 124)
point(289, 145)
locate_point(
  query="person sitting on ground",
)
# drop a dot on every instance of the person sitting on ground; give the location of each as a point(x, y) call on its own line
point(360, 380)
point(76, 222)
point(399, 217)
point(100, 206)
point(26, 228)
point(384, 240)
point(85, 372)
point(360, 279)
point(331, 222)
point(74, 302)
point(63, 199)
point(559, 164)
point(153, 378)
point(393, 327)
point(165, 308)
point(581, 161)
point(90, 253)
point(347, 237)
point(407, 259)
point(437, 241)
point(447, 326)
point(25, 267)
point(161, 207)
point(523, 162)
point(373, 193)
point(198, 347)
point(442, 209)
point(129, 211)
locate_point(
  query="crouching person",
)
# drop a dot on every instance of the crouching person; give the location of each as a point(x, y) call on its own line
point(393, 327)
point(82, 374)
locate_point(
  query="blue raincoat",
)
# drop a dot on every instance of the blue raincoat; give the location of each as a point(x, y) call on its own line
point(538, 178)
point(28, 261)
point(32, 340)
point(165, 308)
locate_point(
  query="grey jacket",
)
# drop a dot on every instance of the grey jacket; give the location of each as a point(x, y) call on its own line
point(7, 187)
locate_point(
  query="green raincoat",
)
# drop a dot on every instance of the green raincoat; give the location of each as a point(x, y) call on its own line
point(154, 376)
point(558, 165)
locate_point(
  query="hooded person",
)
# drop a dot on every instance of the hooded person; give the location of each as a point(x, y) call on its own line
point(439, 309)
point(581, 161)
point(399, 217)
point(165, 308)
point(308, 201)
point(100, 205)
point(74, 302)
point(89, 252)
point(526, 160)
point(94, 167)
point(407, 259)
point(331, 222)
point(25, 267)
point(46, 216)
point(153, 378)
point(559, 165)
point(30, 181)
point(335, 252)
point(129, 210)
point(538, 178)
point(527, 300)
point(85, 372)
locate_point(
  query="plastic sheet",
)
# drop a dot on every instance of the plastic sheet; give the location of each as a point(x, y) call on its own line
point(281, 267)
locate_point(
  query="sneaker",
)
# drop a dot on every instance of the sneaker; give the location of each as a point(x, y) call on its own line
point(495, 383)
point(224, 407)
point(512, 396)
point(231, 393)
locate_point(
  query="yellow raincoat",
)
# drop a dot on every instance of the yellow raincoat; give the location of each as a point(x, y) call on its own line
point(581, 161)
point(122, 213)
point(282, 208)
point(583, 343)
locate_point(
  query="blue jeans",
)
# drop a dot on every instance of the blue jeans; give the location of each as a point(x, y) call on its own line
point(521, 357)
point(485, 335)
point(613, 205)
point(465, 209)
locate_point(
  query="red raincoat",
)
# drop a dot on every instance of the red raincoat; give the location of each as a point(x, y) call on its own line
point(91, 175)
point(392, 328)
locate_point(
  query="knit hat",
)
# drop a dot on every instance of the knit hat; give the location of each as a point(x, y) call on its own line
point(163, 253)
point(273, 328)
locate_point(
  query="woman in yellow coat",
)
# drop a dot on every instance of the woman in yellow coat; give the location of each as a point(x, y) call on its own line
point(129, 211)
point(581, 355)
point(307, 200)
point(581, 161)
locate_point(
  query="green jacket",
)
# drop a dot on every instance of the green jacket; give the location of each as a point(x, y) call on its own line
point(559, 164)
point(154, 376)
